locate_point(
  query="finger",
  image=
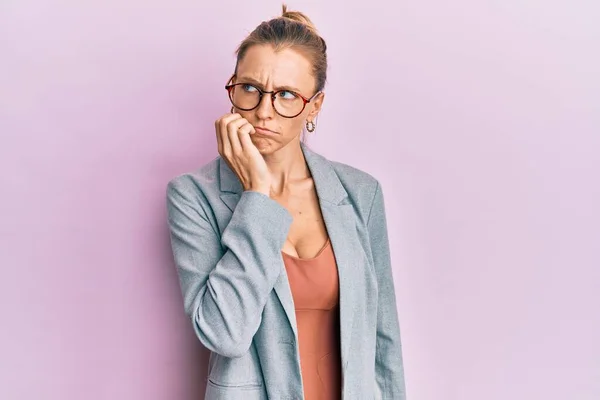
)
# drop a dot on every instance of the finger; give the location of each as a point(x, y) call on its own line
point(234, 140)
point(224, 121)
point(236, 124)
point(248, 127)
point(246, 141)
point(233, 134)
point(230, 117)
point(222, 134)
point(244, 133)
point(218, 135)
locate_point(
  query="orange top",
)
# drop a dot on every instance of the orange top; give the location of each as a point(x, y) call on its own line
point(315, 290)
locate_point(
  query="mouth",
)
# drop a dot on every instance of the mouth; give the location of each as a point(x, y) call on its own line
point(264, 131)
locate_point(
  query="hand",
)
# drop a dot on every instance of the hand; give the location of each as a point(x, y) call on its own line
point(242, 156)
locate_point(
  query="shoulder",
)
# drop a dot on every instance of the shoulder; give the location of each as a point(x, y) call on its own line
point(361, 186)
point(196, 182)
point(353, 178)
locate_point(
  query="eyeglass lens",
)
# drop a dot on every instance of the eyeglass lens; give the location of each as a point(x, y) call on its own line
point(245, 96)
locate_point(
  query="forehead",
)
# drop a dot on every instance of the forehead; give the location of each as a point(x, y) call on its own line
point(286, 67)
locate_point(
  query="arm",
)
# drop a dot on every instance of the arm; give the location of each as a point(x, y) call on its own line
point(225, 293)
point(388, 360)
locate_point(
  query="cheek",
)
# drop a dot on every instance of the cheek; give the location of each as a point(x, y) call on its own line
point(294, 126)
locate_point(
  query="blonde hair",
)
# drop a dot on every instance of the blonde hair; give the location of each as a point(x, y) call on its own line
point(298, 16)
point(295, 30)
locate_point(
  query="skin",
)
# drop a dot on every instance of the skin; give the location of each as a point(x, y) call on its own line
point(274, 164)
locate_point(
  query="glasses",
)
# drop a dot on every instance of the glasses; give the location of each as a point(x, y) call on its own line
point(287, 103)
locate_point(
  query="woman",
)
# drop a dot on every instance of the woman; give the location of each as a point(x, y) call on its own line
point(283, 255)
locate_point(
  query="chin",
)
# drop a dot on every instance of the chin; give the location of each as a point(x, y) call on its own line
point(265, 145)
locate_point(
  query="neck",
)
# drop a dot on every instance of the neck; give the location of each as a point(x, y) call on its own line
point(287, 165)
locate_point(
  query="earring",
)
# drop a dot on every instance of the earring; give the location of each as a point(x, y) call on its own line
point(310, 126)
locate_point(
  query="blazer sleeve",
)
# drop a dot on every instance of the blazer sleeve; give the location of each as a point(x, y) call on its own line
point(225, 279)
point(389, 370)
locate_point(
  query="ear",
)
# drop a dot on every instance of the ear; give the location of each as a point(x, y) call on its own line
point(317, 103)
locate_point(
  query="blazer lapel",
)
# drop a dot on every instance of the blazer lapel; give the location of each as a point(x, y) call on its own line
point(339, 218)
point(340, 221)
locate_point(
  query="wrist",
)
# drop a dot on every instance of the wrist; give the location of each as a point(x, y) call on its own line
point(260, 187)
point(266, 190)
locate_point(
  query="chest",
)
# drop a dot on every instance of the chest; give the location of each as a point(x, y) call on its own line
point(307, 234)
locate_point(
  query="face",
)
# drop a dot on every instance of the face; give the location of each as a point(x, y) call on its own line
point(269, 70)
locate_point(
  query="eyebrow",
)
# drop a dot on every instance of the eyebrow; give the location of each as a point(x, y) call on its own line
point(257, 83)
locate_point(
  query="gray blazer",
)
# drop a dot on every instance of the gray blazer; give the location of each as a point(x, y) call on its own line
point(227, 246)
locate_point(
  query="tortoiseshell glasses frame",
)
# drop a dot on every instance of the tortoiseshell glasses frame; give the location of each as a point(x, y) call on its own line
point(305, 100)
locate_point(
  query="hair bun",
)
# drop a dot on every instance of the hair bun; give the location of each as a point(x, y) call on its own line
point(298, 17)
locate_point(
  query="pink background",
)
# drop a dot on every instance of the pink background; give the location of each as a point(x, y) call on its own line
point(481, 119)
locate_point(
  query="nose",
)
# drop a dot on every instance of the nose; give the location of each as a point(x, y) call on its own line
point(265, 107)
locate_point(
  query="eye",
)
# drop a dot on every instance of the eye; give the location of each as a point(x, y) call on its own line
point(287, 95)
point(248, 88)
